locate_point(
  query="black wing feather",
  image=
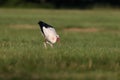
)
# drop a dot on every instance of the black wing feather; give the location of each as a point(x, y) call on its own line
point(43, 24)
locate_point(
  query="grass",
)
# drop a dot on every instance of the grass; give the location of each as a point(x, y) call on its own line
point(81, 54)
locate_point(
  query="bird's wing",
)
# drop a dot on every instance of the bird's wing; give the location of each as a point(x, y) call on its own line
point(50, 34)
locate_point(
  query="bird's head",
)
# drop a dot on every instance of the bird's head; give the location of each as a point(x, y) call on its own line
point(58, 38)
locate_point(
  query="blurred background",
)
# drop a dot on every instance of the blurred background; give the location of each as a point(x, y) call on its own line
point(80, 4)
point(89, 47)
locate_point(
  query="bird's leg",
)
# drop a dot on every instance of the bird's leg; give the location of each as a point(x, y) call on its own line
point(45, 45)
point(50, 44)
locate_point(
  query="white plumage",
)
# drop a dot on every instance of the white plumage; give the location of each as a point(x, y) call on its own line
point(49, 34)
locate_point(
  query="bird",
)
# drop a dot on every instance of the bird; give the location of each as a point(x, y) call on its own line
point(49, 33)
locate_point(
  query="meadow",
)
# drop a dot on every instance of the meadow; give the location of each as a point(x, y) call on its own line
point(89, 47)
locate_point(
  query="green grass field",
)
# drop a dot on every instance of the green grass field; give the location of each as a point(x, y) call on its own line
point(89, 47)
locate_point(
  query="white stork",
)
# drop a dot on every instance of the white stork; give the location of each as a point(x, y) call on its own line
point(49, 34)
